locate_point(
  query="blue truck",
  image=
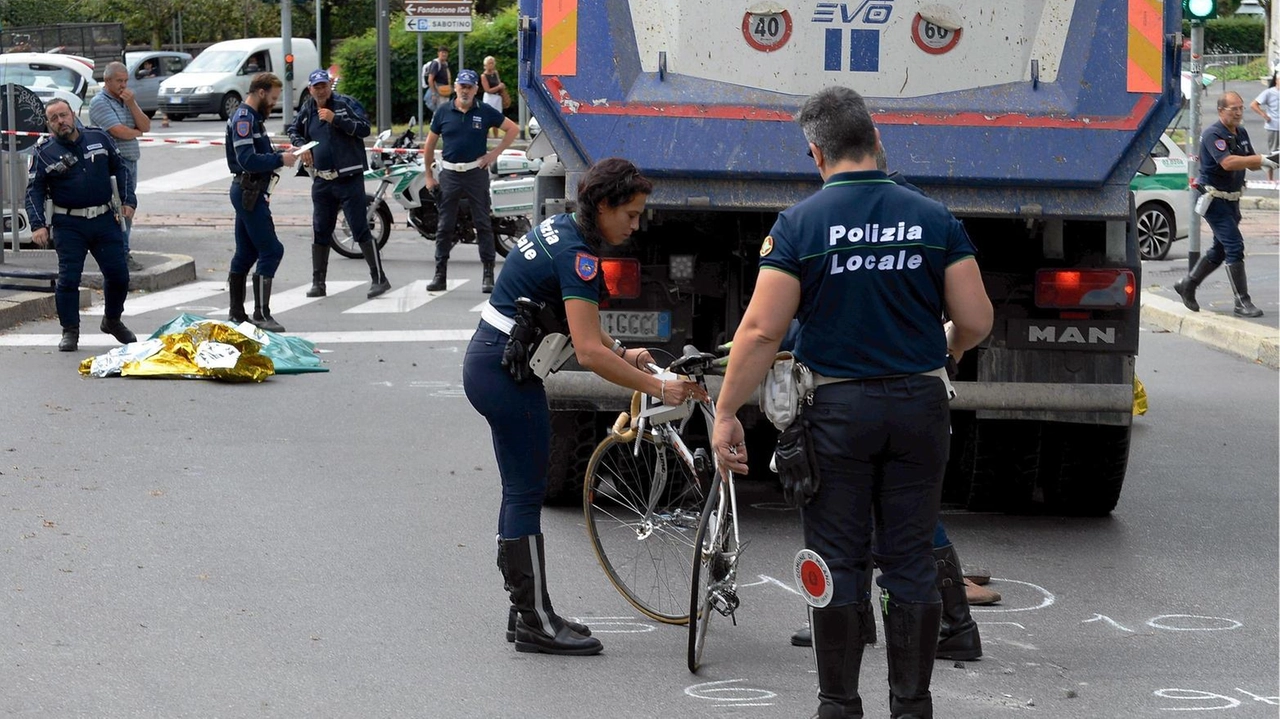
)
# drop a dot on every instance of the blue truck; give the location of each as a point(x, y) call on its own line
point(1027, 118)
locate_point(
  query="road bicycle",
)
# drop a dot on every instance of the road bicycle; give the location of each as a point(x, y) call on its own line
point(662, 522)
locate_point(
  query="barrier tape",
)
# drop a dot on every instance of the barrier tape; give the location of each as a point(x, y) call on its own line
point(206, 143)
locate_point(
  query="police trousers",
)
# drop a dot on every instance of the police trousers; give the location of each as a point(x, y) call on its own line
point(473, 185)
point(73, 238)
point(1228, 244)
point(882, 449)
point(520, 422)
point(256, 239)
point(346, 194)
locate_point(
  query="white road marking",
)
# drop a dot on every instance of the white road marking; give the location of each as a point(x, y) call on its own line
point(292, 298)
point(138, 304)
point(406, 299)
point(320, 338)
point(479, 307)
point(213, 171)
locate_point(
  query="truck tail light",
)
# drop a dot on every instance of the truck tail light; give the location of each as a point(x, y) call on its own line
point(621, 277)
point(1085, 289)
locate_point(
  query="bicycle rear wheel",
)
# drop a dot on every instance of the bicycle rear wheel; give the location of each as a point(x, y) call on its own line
point(712, 586)
point(642, 512)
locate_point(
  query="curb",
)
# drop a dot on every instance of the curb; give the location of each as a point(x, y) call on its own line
point(1256, 202)
point(26, 306)
point(1238, 337)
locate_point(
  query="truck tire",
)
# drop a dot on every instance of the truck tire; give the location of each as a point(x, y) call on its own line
point(574, 435)
point(1006, 461)
point(1084, 469)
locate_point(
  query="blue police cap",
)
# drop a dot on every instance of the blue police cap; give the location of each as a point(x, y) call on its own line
point(468, 77)
point(317, 77)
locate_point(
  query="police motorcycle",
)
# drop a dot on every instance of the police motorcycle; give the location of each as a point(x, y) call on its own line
point(401, 176)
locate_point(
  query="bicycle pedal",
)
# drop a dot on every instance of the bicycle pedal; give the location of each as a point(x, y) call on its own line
point(726, 602)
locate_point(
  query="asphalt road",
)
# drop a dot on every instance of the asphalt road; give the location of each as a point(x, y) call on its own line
point(322, 545)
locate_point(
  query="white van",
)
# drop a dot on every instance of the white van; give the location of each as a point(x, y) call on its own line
point(218, 79)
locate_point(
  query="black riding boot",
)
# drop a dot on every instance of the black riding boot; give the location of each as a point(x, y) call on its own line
point(377, 278)
point(538, 628)
point(582, 629)
point(235, 283)
point(804, 636)
point(1186, 287)
point(262, 304)
point(839, 636)
point(486, 279)
point(958, 635)
point(911, 634)
point(70, 339)
point(319, 270)
point(439, 282)
point(115, 327)
point(1240, 287)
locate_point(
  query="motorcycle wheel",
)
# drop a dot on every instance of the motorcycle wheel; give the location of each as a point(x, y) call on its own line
point(344, 243)
point(507, 231)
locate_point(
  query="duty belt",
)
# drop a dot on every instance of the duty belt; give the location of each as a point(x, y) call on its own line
point(327, 174)
point(940, 373)
point(1219, 194)
point(496, 319)
point(86, 212)
point(460, 166)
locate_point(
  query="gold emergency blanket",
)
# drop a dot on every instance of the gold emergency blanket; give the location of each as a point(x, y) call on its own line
point(205, 349)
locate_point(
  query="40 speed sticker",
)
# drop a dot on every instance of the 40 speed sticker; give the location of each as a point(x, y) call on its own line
point(813, 578)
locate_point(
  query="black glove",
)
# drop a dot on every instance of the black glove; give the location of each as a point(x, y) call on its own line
point(515, 358)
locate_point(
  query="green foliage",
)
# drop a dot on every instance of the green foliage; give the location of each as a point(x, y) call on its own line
point(357, 60)
point(1252, 71)
point(1230, 36)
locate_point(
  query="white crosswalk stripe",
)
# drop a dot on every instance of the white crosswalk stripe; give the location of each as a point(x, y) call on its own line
point(294, 298)
point(185, 179)
point(320, 338)
point(140, 304)
point(406, 299)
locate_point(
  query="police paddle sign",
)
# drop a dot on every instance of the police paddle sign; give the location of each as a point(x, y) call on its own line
point(766, 26)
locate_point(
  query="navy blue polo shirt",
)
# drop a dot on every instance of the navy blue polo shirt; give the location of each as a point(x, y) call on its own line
point(870, 256)
point(1216, 142)
point(551, 264)
point(464, 133)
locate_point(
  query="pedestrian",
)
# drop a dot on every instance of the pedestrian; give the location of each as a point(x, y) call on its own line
point(493, 87)
point(559, 269)
point(464, 123)
point(436, 81)
point(74, 169)
point(868, 267)
point(1225, 154)
point(339, 124)
point(116, 110)
point(253, 162)
point(1267, 104)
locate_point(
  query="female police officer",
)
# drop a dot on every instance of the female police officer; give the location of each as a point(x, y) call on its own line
point(868, 267)
point(556, 264)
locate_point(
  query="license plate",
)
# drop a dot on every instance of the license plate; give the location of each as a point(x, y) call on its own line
point(175, 100)
point(636, 325)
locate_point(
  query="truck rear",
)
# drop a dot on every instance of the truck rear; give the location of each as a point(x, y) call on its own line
point(1027, 118)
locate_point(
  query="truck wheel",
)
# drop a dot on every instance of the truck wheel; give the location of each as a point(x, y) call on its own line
point(574, 435)
point(1006, 460)
point(230, 102)
point(1156, 231)
point(1085, 468)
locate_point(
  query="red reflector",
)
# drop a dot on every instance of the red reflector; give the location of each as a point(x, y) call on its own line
point(622, 277)
point(1092, 289)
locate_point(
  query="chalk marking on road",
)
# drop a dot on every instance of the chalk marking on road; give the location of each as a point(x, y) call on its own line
point(597, 624)
point(1108, 620)
point(746, 696)
point(296, 297)
point(766, 579)
point(213, 171)
point(1012, 624)
point(1157, 623)
point(320, 338)
point(406, 299)
point(138, 304)
point(1048, 600)
point(1194, 695)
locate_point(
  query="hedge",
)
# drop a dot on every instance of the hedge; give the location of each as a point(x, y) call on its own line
point(1230, 36)
point(357, 61)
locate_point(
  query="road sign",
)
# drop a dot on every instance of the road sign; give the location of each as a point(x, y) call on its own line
point(438, 8)
point(438, 24)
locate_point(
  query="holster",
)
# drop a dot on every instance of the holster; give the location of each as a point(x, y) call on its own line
point(796, 463)
point(251, 189)
point(523, 340)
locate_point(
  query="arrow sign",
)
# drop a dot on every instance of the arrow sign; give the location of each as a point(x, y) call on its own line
point(437, 8)
point(438, 24)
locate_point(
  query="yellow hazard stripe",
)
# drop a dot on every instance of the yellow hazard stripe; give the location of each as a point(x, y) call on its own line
point(560, 37)
point(1146, 58)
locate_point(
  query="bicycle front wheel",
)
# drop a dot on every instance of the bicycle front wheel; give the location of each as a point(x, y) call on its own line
point(642, 512)
point(712, 586)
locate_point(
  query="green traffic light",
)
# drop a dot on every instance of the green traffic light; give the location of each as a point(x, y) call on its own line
point(1200, 9)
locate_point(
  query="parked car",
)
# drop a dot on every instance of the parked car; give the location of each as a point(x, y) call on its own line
point(148, 69)
point(50, 75)
point(1160, 194)
point(218, 78)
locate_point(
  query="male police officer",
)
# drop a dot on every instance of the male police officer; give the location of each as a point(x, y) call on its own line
point(338, 123)
point(1225, 154)
point(464, 124)
point(868, 267)
point(252, 161)
point(74, 169)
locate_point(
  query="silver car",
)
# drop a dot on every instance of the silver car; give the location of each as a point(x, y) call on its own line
point(147, 69)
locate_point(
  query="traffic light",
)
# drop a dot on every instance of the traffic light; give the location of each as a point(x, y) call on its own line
point(1199, 9)
point(288, 67)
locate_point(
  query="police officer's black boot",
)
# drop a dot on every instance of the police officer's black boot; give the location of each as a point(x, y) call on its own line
point(262, 305)
point(958, 635)
point(1186, 287)
point(377, 278)
point(235, 282)
point(115, 327)
point(70, 339)
point(1240, 287)
point(486, 279)
point(911, 636)
point(839, 636)
point(804, 635)
point(538, 628)
point(582, 629)
point(319, 270)
point(438, 283)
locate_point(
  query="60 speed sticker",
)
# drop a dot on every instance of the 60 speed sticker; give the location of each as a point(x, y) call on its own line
point(933, 39)
point(813, 578)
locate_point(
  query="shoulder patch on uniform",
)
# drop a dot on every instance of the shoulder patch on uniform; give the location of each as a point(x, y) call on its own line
point(767, 246)
point(242, 128)
point(1220, 144)
point(587, 266)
